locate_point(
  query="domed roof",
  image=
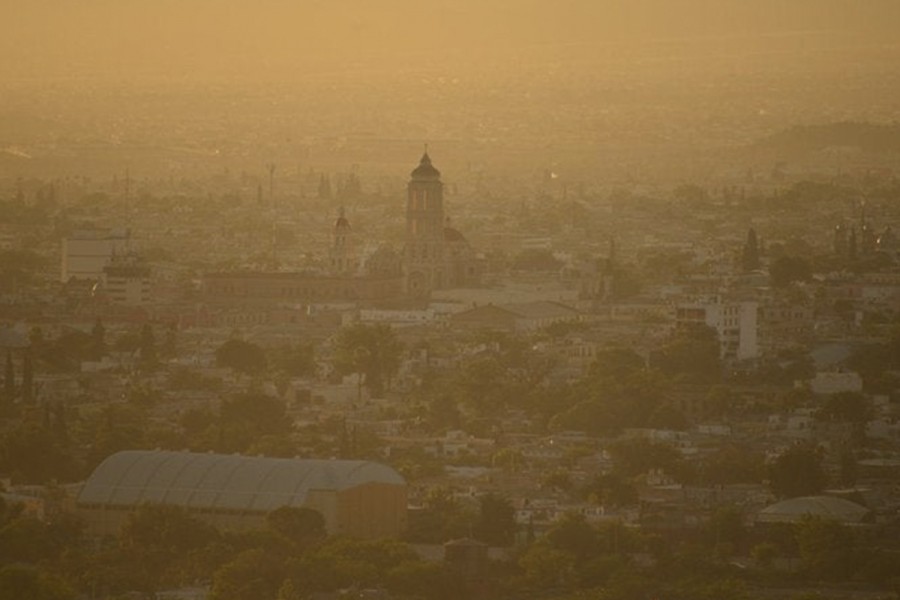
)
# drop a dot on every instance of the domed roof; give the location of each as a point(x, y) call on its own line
point(342, 222)
point(826, 507)
point(453, 235)
point(425, 171)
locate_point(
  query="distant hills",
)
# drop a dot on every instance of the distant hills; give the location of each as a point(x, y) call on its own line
point(867, 137)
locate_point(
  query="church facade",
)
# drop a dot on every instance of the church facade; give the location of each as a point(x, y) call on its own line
point(435, 256)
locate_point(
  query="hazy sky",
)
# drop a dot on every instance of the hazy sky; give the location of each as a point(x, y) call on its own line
point(55, 38)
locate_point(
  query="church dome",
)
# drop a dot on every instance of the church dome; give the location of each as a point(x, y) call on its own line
point(425, 171)
point(341, 223)
point(453, 235)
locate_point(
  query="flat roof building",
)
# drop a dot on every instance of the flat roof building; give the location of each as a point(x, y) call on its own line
point(87, 251)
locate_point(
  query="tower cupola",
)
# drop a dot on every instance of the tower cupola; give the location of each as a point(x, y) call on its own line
point(425, 171)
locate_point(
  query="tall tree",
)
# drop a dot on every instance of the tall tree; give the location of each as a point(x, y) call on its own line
point(827, 549)
point(170, 343)
point(787, 269)
point(244, 357)
point(18, 582)
point(148, 346)
point(496, 523)
point(691, 353)
point(370, 350)
point(27, 378)
point(98, 337)
point(300, 527)
point(797, 472)
point(750, 255)
point(9, 378)
point(251, 575)
point(324, 187)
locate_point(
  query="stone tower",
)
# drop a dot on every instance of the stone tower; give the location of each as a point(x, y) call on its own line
point(343, 253)
point(424, 250)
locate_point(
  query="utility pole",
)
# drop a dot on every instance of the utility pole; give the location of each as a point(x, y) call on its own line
point(271, 167)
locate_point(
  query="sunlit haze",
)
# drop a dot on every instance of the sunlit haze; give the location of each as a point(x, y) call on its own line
point(449, 299)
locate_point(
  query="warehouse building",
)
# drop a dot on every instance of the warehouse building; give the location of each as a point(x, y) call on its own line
point(232, 492)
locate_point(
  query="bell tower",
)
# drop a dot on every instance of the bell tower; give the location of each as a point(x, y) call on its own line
point(342, 254)
point(424, 251)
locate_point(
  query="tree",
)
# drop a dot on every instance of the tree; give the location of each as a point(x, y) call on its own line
point(24, 539)
point(483, 385)
point(98, 336)
point(324, 191)
point(442, 519)
point(370, 350)
point(827, 549)
point(573, 535)
point(420, 579)
point(691, 194)
point(848, 407)
point(611, 489)
point(9, 378)
point(246, 421)
point(496, 523)
point(18, 267)
point(536, 259)
point(342, 562)
point(616, 364)
point(691, 353)
point(68, 350)
point(764, 554)
point(787, 269)
point(21, 582)
point(148, 346)
point(638, 456)
point(27, 379)
point(128, 341)
point(251, 575)
point(170, 343)
point(35, 454)
point(726, 526)
point(797, 472)
point(265, 413)
point(167, 529)
point(296, 361)
point(750, 254)
point(299, 526)
point(545, 566)
point(244, 357)
point(732, 464)
point(116, 428)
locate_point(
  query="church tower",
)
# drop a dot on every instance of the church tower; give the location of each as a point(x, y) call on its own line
point(424, 251)
point(343, 253)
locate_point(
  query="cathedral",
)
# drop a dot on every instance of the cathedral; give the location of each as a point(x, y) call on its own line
point(435, 256)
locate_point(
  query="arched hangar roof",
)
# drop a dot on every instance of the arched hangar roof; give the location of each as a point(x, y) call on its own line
point(826, 507)
point(222, 481)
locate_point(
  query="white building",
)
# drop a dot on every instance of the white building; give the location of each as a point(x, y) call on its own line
point(735, 323)
point(836, 382)
point(86, 252)
point(127, 281)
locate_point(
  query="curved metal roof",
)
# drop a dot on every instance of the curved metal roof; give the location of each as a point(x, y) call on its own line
point(222, 481)
point(828, 507)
